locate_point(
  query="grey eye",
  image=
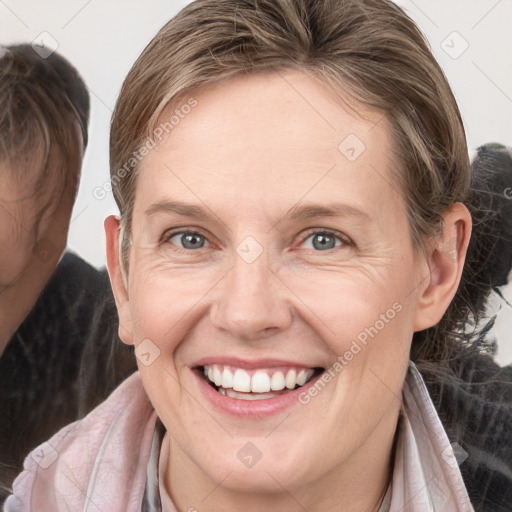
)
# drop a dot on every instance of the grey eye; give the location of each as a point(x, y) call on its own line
point(322, 241)
point(188, 240)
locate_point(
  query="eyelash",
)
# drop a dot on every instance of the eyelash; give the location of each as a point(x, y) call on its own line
point(344, 239)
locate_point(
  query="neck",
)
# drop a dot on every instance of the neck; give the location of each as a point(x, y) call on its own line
point(358, 484)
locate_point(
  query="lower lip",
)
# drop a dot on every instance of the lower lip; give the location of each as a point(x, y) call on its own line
point(251, 408)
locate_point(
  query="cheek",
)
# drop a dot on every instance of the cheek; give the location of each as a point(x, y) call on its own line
point(16, 246)
point(357, 306)
point(165, 304)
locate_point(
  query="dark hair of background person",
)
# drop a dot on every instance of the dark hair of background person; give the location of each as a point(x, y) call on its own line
point(35, 116)
point(66, 75)
point(75, 89)
point(472, 394)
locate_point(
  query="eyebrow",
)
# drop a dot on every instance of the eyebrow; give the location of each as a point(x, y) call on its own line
point(183, 209)
point(300, 211)
point(307, 211)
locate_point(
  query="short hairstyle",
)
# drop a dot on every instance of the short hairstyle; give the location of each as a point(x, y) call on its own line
point(40, 100)
point(370, 50)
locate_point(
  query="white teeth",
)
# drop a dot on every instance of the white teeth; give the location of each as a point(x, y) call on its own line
point(227, 379)
point(277, 382)
point(302, 377)
point(248, 396)
point(241, 381)
point(217, 376)
point(291, 379)
point(260, 382)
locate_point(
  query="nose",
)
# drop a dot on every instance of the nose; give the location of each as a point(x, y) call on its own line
point(251, 301)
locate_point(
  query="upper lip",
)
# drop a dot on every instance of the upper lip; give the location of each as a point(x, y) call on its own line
point(250, 364)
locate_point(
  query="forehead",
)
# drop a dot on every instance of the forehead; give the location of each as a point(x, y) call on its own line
point(270, 140)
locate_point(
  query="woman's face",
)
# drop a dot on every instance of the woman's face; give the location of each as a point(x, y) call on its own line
point(270, 244)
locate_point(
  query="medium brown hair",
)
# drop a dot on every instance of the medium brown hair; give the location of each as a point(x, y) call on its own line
point(369, 49)
point(40, 102)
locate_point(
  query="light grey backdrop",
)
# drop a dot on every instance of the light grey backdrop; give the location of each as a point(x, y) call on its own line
point(472, 40)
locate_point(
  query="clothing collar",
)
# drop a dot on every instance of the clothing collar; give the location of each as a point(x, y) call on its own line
point(426, 474)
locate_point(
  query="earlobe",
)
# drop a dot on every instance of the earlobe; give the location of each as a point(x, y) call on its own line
point(445, 262)
point(117, 280)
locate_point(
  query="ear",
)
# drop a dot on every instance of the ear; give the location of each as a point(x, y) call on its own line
point(112, 232)
point(445, 263)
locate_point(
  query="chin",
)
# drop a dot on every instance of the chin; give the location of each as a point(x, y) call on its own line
point(260, 479)
point(253, 470)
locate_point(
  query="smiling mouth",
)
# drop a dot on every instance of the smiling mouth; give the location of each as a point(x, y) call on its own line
point(257, 384)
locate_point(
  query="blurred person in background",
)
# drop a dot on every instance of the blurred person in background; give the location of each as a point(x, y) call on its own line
point(59, 351)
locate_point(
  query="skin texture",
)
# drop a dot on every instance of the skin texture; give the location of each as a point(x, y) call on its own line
point(32, 240)
point(252, 149)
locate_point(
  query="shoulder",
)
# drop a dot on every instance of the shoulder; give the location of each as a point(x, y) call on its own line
point(74, 279)
point(72, 330)
point(74, 295)
point(86, 456)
